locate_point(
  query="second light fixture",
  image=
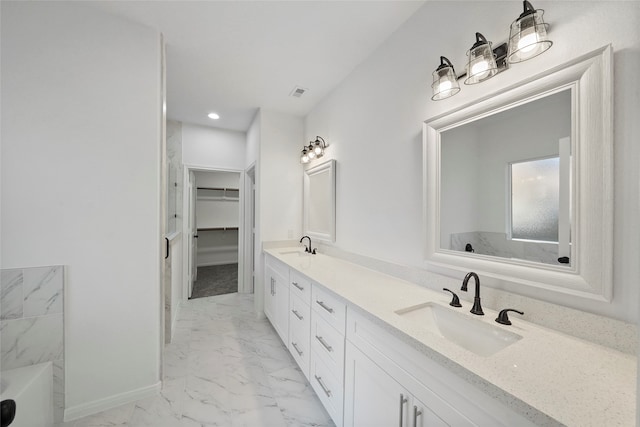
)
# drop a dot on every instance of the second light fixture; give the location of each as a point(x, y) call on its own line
point(314, 150)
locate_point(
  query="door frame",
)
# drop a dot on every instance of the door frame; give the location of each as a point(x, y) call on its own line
point(249, 218)
point(187, 255)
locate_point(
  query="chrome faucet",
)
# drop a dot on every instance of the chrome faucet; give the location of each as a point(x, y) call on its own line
point(307, 249)
point(477, 308)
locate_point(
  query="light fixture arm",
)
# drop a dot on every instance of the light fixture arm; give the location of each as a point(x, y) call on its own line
point(528, 9)
point(444, 62)
point(480, 40)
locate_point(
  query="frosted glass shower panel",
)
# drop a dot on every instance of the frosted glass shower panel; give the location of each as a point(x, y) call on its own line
point(535, 199)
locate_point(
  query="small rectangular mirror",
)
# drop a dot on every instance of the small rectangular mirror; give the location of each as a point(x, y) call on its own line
point(320, 201)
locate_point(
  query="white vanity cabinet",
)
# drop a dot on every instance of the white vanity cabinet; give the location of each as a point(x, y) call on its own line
point(276, 296)
point(379, 369)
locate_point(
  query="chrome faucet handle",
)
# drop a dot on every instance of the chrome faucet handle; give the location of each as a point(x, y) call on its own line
point(503, 318)
point(455, 301)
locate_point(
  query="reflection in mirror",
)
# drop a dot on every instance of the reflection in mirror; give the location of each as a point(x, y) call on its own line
point(505, 183)
point(319, 201)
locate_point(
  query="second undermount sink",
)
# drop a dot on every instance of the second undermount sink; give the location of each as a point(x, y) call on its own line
point(295, 252)
point(474, 335)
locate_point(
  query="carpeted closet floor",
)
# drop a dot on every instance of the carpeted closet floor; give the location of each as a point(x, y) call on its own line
point(216, 280)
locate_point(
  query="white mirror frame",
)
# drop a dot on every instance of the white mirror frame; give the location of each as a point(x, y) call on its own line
point(326, 167)
point(590, 78)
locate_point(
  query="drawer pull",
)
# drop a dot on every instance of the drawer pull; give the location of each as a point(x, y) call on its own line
point(324, 388)
point(324, 343)
point(297, 286)
point(297, 349)
point(416, 413)
point(323, 305)
point(403, 400)
point(297, 314)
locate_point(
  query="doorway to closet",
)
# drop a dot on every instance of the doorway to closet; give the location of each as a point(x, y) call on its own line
point(215, 215)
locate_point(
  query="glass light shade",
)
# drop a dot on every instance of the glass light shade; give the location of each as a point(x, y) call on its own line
point(305, 157)
point(528, 35)
point(318, 149)
point(310, 152)
point(445, 82)
point(482, 63)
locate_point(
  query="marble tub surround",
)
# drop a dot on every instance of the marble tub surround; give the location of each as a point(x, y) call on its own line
point(613, 333)
point(549, 377)
point(32, 322)
point(497, 244)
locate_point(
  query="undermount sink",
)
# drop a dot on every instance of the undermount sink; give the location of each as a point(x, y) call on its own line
point(478, 337)
point(294, 252)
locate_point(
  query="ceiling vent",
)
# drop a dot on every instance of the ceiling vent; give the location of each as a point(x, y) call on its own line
point(298, 91)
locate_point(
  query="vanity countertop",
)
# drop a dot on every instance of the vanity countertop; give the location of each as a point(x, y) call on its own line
point(549, 377)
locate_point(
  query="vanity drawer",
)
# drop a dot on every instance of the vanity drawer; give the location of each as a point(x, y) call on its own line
point(330, 307)
point(300, 286)
point(300, 313)
point(327, 343)
point(299, 344)
point(328, 387)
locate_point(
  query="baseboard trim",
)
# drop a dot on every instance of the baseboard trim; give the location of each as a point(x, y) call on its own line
point(90, 408)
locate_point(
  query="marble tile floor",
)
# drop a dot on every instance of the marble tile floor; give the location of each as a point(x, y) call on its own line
point(223, 368)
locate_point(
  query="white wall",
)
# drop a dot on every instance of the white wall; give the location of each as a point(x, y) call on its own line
point(384, 101)
point(211, 147)
point(81, 185)
point(460, 167)
point(281, 140)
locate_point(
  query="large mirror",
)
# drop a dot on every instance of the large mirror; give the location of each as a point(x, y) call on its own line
point(320, 201)
point(519, 185)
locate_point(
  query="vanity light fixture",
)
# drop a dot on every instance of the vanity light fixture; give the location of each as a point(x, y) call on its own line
point(527, 39)
point(482, 64)
point(528, 35)
point(314, 150)
point(445, 81)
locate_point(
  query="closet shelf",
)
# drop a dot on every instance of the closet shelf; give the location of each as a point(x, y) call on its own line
point(217, 228)
point(218, 194)
point(218, 188)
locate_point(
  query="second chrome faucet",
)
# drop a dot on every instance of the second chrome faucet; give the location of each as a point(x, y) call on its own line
point(477, 307)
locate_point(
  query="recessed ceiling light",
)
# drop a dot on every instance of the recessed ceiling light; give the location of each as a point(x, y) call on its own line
point(213, 116)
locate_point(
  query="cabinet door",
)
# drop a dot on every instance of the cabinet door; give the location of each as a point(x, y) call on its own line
point(372, 398)
point(269, 294)
point(281, 288)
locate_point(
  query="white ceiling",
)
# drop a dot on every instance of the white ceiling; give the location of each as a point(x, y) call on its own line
point(233, 57)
